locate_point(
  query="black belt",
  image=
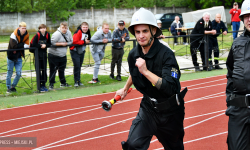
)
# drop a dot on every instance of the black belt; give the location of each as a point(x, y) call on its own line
point(174, 100)
point(240, 100)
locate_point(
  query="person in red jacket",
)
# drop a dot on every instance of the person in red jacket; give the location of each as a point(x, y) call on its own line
point(235, 12)
point(81, 37)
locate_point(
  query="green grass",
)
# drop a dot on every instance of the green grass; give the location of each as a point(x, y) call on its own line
point(107, 85)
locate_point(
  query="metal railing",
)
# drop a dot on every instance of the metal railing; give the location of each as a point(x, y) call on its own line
point(108, 56)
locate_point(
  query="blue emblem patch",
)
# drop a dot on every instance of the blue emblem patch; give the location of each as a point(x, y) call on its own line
point(174, 74)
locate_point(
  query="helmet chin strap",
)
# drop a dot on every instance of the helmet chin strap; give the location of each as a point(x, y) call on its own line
point(151, 38)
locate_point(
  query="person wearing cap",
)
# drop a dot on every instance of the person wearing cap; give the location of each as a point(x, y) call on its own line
point(155, 73)
point(19, 39)
point(120, 36)
point(235, 12)
point(217, 25)
point(238, 87)
point(177, 24)
point(203, 26)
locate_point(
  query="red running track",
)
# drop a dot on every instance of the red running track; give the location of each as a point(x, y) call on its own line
point(81, 124)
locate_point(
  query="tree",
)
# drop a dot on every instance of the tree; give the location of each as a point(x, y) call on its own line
point(56, 9)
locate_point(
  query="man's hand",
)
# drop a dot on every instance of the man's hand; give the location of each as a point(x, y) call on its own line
point(105, 40)
point(122, 92)
point(213, 32)
point(123, 40)
point(43, 46)
point(225, 33)
point(161, 36)
point(87, 41)
point(178, 33)
point(14, 52)
point(64, 44)
point(141, 64)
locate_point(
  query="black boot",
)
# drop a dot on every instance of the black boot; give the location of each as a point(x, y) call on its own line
point(197, 68)
point(217, 67)
point(210, 68)
point(124, 145)
point(118, 77)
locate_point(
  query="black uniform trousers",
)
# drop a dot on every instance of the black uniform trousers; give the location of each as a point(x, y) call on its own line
point(198, 44)
point(117, 55)
point(42, 68)
point(181, 33)
point(238, 128)
point(169, 130)
point(77, 61)
point(57, 63)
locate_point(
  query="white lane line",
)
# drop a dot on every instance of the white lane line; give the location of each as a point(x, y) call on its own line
point(196, 124)
point(50, 120)
point(97, 137)
point(203, 83)
point(199, 99)
point(207, 86)
point(84, 133)
point(56, 101)
point(206, 137)
point(204, 114)
point(202, 98)
point(72, 123)
point(53, 112)
point(119, 133)
point(62, 117)
point(204, 78)
point(204, 120)
point(91, 95)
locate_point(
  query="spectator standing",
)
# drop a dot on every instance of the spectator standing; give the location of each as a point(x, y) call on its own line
point(120, 36)
point(57, 55)
point(235, 12)
point(177, 24)
point(18, 39)
point(217, 25)
point(41, 41)
point(99, 40)
point(203, 26)
point(81, 37)
point(159, 24)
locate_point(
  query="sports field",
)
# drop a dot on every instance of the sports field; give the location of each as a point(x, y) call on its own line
point(81, 123)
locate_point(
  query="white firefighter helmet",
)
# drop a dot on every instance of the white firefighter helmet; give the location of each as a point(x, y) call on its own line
point(245, 9)
point(144, 16)
point(159, 21)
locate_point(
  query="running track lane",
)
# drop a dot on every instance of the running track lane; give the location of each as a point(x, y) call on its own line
point(80, 123)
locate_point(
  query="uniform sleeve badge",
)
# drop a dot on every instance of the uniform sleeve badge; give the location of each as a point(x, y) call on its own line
point(174, 73)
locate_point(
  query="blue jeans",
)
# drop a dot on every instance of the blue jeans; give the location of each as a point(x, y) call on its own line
point(10, 66)
point(97, 56)
point(236, 26)
point(77, 61)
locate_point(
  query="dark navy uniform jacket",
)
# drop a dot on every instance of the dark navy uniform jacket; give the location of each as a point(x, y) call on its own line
point(161, 61)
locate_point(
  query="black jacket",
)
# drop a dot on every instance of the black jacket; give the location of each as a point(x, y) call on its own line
point(218, 27)
point(238, 75)
point(37, 44)
point(17, 41)
point(161, 61)
point(199, 29)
